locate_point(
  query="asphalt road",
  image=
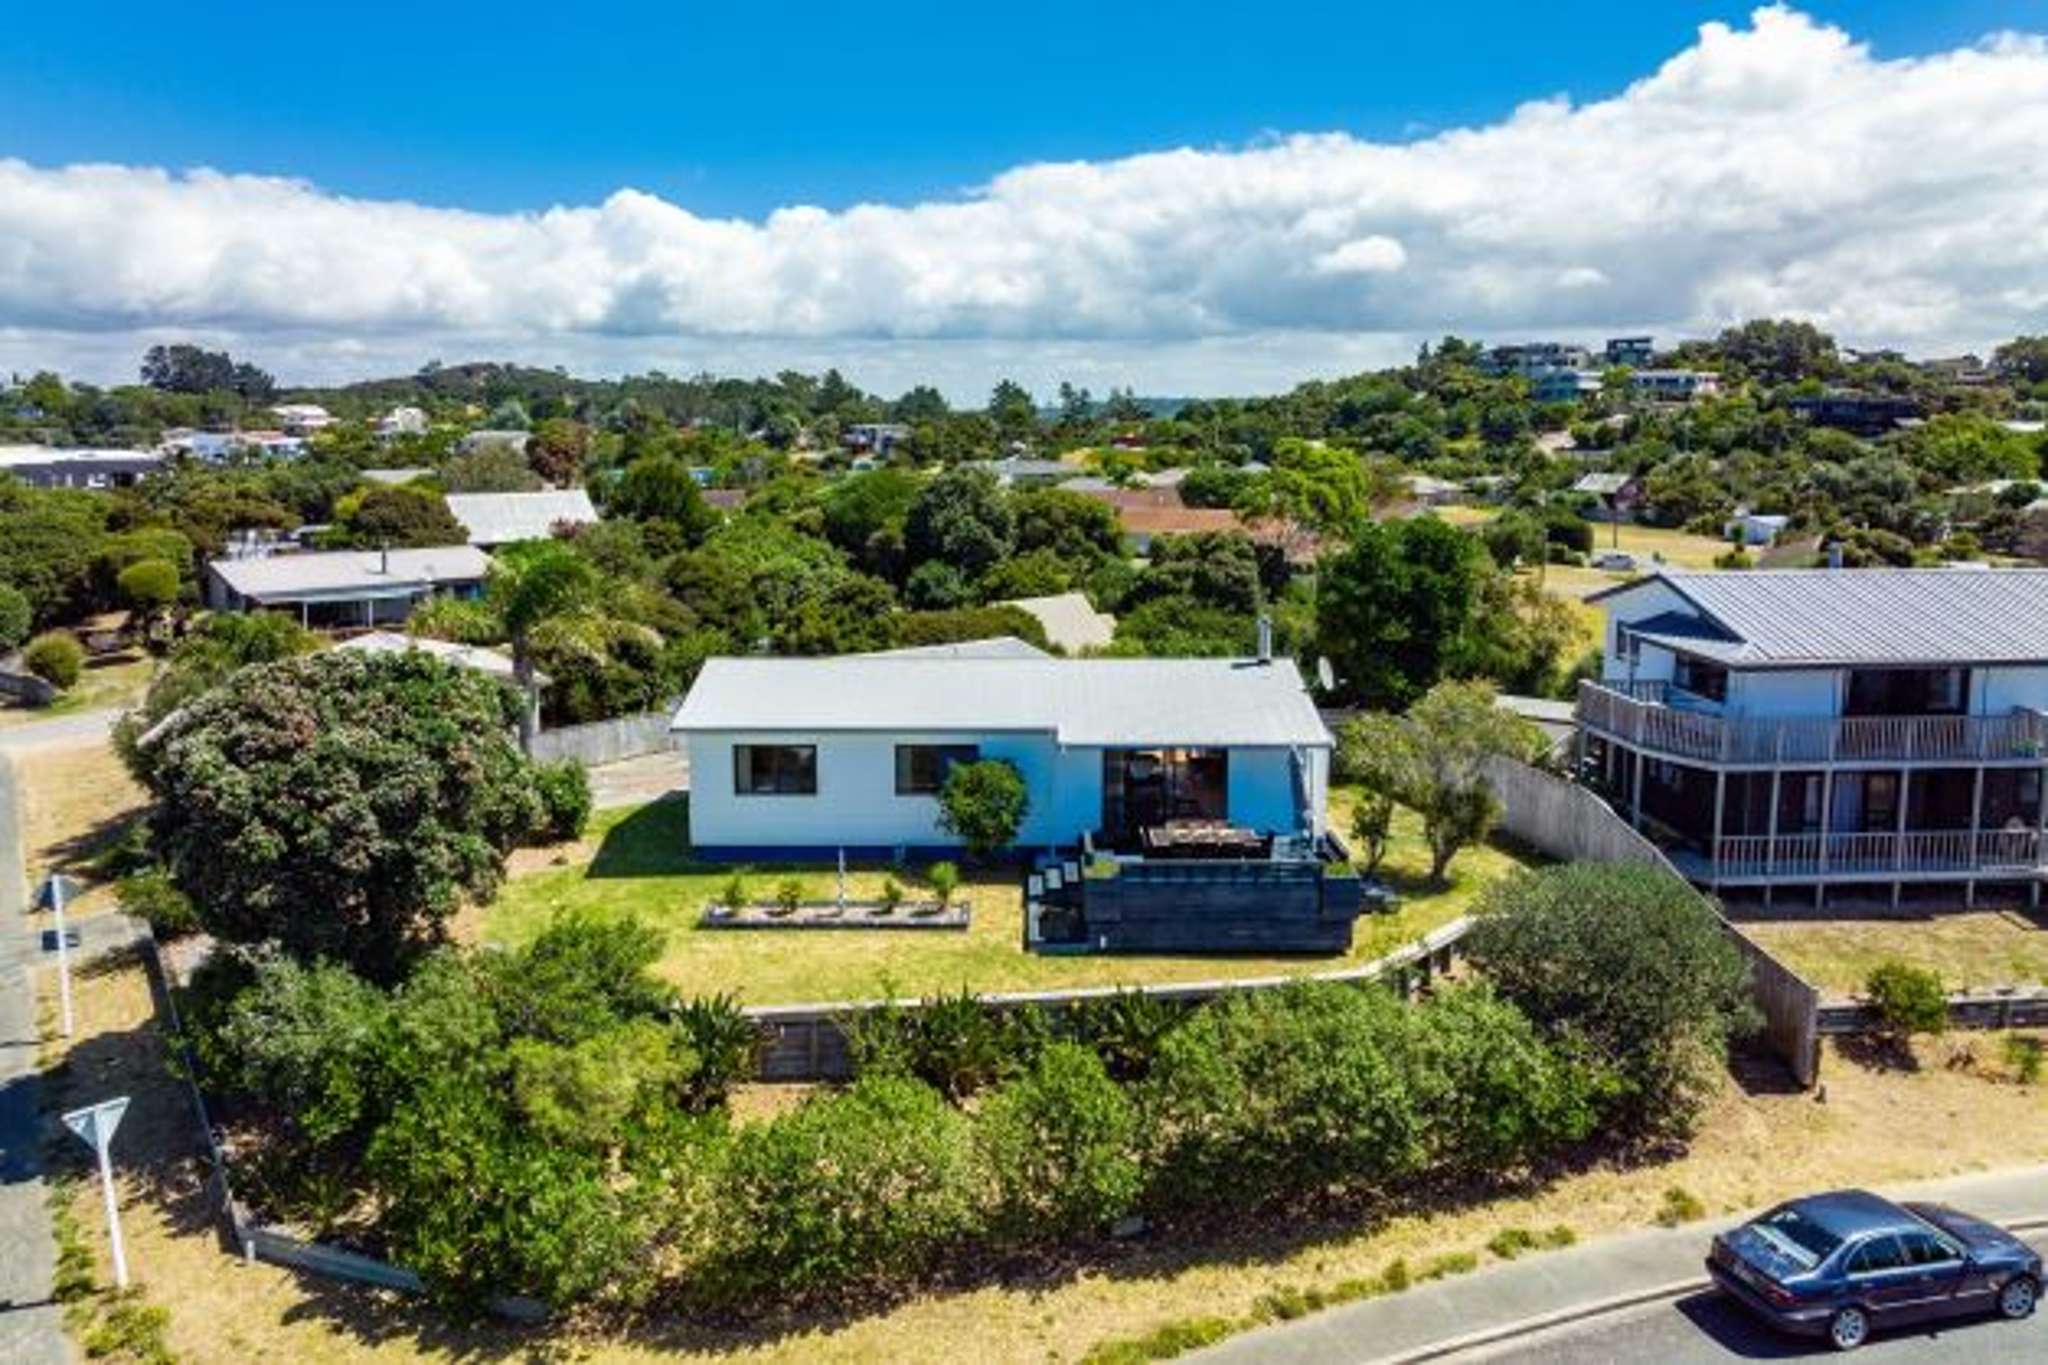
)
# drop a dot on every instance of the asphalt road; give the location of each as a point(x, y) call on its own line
point(1708, 1327)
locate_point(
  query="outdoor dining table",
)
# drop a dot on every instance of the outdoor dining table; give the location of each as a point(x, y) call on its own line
point(1204, 838)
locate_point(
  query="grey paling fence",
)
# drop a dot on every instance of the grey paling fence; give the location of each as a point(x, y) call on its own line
point(808, 1042)
point(1570, 823)
point(606, 741)
point(1968, 1010)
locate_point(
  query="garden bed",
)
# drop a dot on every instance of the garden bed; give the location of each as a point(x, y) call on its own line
point(834, 915)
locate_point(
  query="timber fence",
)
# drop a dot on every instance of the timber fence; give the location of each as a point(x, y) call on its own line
point(606, 741)
point(1570, 823)
point(808, 1042)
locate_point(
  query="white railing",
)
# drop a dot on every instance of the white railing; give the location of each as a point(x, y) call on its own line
point(1643, 714)
point(1822, 855)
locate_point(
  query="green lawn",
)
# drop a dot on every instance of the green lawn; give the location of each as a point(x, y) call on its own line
point(637, 862)
point(1968, 949)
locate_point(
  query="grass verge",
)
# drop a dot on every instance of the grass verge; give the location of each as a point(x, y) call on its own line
point(1967, 949)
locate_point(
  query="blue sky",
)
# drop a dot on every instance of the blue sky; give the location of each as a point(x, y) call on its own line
point(1201, 199)
point(737, 109)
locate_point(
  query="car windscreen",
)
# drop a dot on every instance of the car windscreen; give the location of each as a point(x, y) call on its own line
point(1795, 1235)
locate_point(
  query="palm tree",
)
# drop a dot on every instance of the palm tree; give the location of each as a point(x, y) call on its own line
point(532, 584)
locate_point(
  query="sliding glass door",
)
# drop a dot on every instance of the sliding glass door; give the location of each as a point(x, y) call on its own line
point(1143, 787)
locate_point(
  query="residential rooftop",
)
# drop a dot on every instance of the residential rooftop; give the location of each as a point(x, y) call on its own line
point(1777, 618)
point(292, 577)
point(1094, 702)
point(503, 518)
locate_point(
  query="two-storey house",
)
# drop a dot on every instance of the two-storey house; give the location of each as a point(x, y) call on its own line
point(1827, 733)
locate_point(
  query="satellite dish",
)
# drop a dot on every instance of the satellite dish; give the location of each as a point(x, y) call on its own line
point(1326, 677)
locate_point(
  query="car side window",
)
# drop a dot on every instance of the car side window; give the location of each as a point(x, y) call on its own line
point(1924, 1248)
point(1881, 1252)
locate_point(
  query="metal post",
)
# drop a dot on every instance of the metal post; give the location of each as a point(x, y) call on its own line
point(1771, 844)
point(56, 885)
point(1635, 796)
point(113, 1210)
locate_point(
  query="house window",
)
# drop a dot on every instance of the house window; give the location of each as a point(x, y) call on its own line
point(1701, 678)
point(922, 769)
point(775, 769)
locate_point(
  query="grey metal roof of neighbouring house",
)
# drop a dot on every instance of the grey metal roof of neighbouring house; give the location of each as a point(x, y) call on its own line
point(1225, 702)
point(1070, 620)
point(491, 661)
point(1791, 617)
point(995, 647)
point(350, 574)
point(503, 518)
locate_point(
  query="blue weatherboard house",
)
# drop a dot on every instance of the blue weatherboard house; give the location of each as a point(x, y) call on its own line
point(1175, 804)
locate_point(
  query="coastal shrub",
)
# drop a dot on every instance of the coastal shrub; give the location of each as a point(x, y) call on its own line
point(565, 799)
point(153, 898)
point(1279, 1093)
point(983, 805)
point(945, 880)
point(16, 617)
point(56, 657)
point(1058, 1147)
point(2023, 1057)
point(1496, 1094)
point(727, 1045)
point(1908, 999)
point(870, 1182)
point(954, 1043)
point(1124, 1029)
point(305, 1043)
point(1632, 966)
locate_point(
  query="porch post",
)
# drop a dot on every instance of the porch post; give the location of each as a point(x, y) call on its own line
point(1720, 803)
point(1771, 843)
point(1635, 794)
point(1976, 834)
point(1827, 813)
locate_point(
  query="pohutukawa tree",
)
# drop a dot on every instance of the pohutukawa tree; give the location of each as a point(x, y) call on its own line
point(342, 804)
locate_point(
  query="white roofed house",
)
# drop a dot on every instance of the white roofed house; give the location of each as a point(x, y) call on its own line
point(345, 588)
point(1830, 734)
point(1195, 788)
point(302, 419)
point(74, 467)
point(494, 519)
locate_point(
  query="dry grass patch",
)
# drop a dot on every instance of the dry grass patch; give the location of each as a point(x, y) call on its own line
point(74, 797)
point(116, 681)
point(1968, 950)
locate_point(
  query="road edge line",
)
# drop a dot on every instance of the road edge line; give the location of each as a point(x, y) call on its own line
point(1598, 1308)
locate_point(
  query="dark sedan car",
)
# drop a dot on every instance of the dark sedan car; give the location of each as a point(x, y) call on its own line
point(1842, 1265)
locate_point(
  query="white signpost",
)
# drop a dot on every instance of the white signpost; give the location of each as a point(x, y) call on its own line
point(95, 1125)
point(56, 890)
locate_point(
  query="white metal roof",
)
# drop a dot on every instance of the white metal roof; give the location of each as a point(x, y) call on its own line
point(502, 518)
point(1225, 702)
point(1069, 619)
point(465, 656)
point(996, 647)
point(1788, 617)
point(16, 457)
point(352, 573)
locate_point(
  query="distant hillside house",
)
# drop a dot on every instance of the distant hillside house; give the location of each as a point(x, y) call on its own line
point(1533, 359)
point(482, 440)
point(1674, 386)
point(401, 421)
point(1635, 352)
point(1565, 386)
point(216, 446)
point(340, 588)
point(494, 519)
point(491, 661)
point(302, 419)
point(1864, 414)
point(1020, 471)
point(78, 467)
point(876, 438)
point(1755, 528)
point(1143, 525)
point(1617, 493)
point(394, 477)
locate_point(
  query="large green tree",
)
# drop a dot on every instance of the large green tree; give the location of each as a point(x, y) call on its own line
point(1390, 608)
point(341, 804)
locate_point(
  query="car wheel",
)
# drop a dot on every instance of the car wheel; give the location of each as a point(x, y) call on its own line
point(1848, 1328)
point(2016, 1299)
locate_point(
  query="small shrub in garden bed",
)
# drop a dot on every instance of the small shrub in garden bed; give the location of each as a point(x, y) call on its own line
point(734, 896)
point(945, 880)
point(789, 894)
point(1908, 999)
point(891, 895)
point(565, 799)
point(725, 1042)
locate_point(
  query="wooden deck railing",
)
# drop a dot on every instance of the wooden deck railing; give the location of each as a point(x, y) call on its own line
point(1818, 855)
point(1654, 716)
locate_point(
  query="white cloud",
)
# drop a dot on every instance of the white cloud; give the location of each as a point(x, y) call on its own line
point(1774, 168)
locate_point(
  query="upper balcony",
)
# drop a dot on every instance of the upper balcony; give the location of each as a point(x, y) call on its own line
point(1653, 717)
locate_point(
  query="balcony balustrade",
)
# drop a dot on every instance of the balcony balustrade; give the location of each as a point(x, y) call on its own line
point(1655, 717)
